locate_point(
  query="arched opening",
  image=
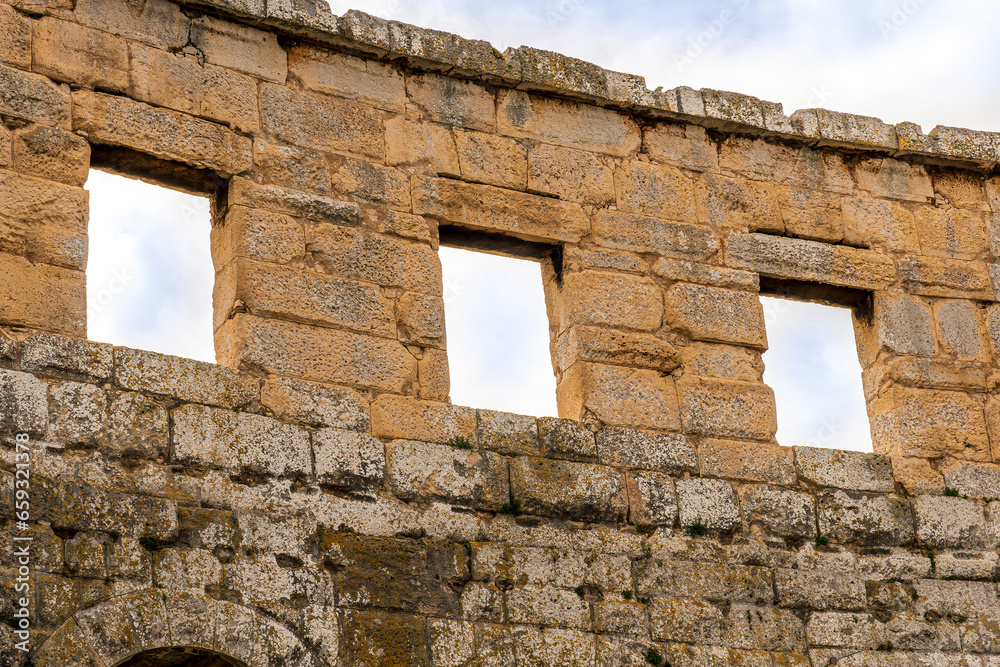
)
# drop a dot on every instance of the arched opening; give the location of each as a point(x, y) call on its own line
point(180, 656)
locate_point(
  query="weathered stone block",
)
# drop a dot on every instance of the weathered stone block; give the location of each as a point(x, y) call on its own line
point(737, 204)
point(819, 590)
point(452, 101)
point(686, 621)
point(321, 122)
point(66, 51)
point(879, 223)
point(973, 480)
point(656, 190)
point(951, 232)
point(751, 627)
point(239, 440)
point(315, 404)
point(15, 38)
point(296, 203)
point(548, 606)
point(922, 422)
point(41, 296)
point(627, 231)
point(716, 315)
point(954, 523)
point(374, 639)
point(712, 502)
point(156, 22)
point(24, 402)
point(487, 208)
point(348, 460)
point(256, 234)
point(185, 379)
point(573, 490)
point(566, 439)
point(49, 353)
point(723, 361)
point(291, 166)
point(137, 425)
point(758, 159)
point(959, 329)
point(652, 499)
point(410, 419)
point(51, 153)
point(78, 414)
point(945, 277)
point(492, 159)
point(808, 214)
point(620, 396)
point(727, 409)
point(421, 471)
point(751, 461)
point(609, 346)
point(240, 47)
point(119, 121)
point(427, 146)
point(420, 319)
point(184, 84)
point(663, 452)
point(370, 182)
point(620, 617)
point(854, 471)
point(686, 146)
point(506, 433)
point(707, 580)
point(866, 519)
point(609, 299)
point(33, 97)
point(570, 174)
point(367, 81)
point(703, 274)
point(780, 512)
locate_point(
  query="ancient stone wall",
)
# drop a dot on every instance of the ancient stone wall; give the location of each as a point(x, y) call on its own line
point(316, 500)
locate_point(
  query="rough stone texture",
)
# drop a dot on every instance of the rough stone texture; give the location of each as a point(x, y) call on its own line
point(318, 500)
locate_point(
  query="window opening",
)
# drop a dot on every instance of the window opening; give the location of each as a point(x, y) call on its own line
point(497, 328)
point(812, 366)
point(149, 269)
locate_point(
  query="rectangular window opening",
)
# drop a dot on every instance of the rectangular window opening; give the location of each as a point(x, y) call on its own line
point(149, 269)
point(812, 365)
point(496, 323)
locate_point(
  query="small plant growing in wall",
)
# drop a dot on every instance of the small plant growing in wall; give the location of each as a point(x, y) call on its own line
point(653, 657)
point(627, 595)
point(930, 555)
point(150, 543)
point(513, 508)
point(696, 529)
point(953, 493)
point(461, 442)
point(887, 647)
point(822, 540)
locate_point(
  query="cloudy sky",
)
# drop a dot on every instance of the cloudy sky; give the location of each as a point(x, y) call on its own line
point(925, 61)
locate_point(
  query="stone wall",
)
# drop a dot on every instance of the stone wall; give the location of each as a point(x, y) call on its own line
point(315, 499)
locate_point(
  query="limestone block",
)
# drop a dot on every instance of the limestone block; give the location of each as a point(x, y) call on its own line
point(420, 319)
point(853, 471)
point(291, 166)
point(686, 621)
point(713, 502)
point(845, 629)
point(950, 278)
point(951, 232)
point(370, 182)
point(506, 433)
point(239, 440)
point(799, 259)
point(427, 146)
point(240, 47)
point(751, 627)
point(579, 259)
point(703, 274)
point(41, 296)
point(186, 379)
point(880, 224)
point(566, 439)
point(780, 512)
point(621, 617)
point(662, 452)
point(707, 580)
point(609, 346)
point(193, 568)
point(517, 565)
point(452, 643)
point(185, 84)
point(954, 523)
point(407, 226)
point(367, 81)
point(973, 480)
point(15, 38)
point(686, 146)
point(811, 215)
point(716, 315)
point(752, 461)
point(655, 190)
point(570, 174)
point(348, 460)
point(578, 491)
point(8, 349)
point(51, 153)
point(917, 476)
point(30, 202)
point(421, 471)
point(53, 354)
point(23, 403)
point(380, 638)
point(929, 423)
point(119, 121)
point(383, 260)
point(492, 159)
point(642, 234)
point(866, 519)
point(57, 599)
point(487, 208)
point(410, 419)
point(652, 499)
point(268, 290)
point(434, 375)
point(256, 234)
point(316, 354)
point(902, 325)
point(727, 409)
point(137, 425)
point(75, 54)
point(758, 159)
point(156, 22)
point(78, 414)
point(819, 590)
point(610, 299)
point(621, 396)
point(737, 204)
point(295, 203)
point(33, 97)
point(452, 101)
point(548, 606)
point(322, 122)
point(568, 124)
point(959, 329)
point(722, 361)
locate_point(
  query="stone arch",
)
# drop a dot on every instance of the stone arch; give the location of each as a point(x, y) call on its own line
point(113, 632)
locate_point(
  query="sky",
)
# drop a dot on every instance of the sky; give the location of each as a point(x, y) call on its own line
point(924, 61)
